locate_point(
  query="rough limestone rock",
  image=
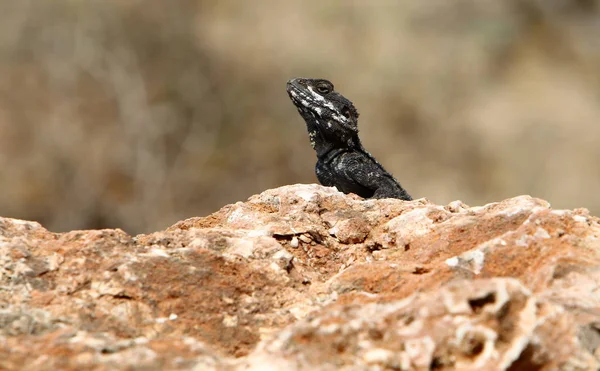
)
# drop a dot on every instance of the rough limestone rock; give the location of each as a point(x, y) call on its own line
point(306, 278)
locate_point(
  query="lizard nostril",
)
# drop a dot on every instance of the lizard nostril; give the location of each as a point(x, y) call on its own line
point(300, 81)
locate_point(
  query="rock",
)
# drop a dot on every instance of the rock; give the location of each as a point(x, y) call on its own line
point(489, 324)
point(305, 277)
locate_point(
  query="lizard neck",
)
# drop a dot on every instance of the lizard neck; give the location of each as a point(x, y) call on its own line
point(324, 138)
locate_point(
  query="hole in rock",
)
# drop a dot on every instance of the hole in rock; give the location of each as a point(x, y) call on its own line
point(474, 344)
point(478, 303)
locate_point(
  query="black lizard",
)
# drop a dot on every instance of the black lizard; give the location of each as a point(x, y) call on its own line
point(332, 123)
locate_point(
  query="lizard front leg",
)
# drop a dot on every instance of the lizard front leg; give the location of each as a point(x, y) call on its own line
point(369, 176)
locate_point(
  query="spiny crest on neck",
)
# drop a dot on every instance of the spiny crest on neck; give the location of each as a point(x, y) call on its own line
point(317, 100)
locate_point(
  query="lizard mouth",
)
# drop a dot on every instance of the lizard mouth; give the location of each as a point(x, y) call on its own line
point(304, 95)
point(299, 93)
point(297, 89)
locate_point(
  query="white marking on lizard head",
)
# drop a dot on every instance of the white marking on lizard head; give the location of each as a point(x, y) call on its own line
point(319, 98)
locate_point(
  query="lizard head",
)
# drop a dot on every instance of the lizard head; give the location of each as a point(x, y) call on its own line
point(318, 102)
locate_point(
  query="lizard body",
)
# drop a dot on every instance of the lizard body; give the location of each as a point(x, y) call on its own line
point(342, 161)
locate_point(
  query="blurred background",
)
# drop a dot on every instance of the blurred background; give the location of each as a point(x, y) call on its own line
point(136, 114)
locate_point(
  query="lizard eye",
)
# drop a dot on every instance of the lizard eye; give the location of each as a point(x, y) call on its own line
point(323, 88)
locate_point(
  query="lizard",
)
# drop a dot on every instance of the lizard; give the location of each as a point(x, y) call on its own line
point(342, 161)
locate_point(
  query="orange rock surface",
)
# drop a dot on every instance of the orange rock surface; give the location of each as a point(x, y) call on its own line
point(304, 277)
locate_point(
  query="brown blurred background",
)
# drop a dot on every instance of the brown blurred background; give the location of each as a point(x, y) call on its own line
point(136, 114)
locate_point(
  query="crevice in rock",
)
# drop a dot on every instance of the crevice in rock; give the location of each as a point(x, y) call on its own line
point(526, 361)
